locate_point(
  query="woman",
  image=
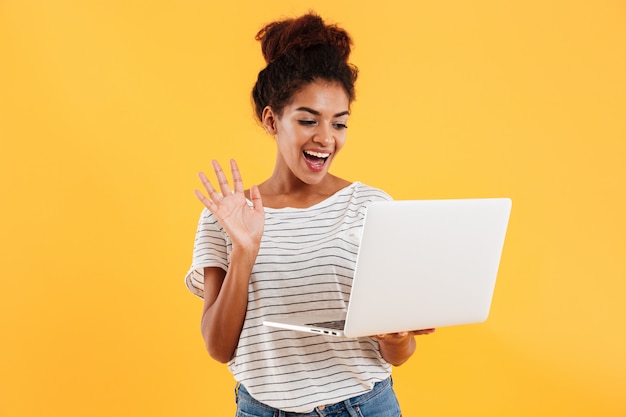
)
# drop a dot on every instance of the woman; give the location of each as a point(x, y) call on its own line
point(289, 244)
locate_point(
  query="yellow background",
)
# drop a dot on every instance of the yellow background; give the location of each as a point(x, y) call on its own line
point(109, 108)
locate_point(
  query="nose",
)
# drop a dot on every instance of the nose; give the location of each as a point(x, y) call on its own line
point(324, 136)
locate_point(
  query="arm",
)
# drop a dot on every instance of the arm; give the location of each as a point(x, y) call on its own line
point(225, 304)
point(397, 348)
point(226, 292)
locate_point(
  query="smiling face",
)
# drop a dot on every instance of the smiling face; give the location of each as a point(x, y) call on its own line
point(310, 131)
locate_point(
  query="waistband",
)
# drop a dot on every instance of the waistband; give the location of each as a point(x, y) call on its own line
point(241, 392)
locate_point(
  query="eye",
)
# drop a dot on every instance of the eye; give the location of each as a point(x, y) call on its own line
point(307, 122)
point(340, 126)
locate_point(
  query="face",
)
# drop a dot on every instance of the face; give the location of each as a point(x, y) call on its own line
point(310, 131)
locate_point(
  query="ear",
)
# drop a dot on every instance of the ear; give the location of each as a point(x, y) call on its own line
point(268, 118)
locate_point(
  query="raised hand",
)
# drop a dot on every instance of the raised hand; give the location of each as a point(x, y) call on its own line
point(244, 224)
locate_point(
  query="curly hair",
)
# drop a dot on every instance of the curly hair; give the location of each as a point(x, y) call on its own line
point(297, 52)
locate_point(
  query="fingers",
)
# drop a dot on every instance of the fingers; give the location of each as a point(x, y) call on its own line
point(221, 178)
point(237, 181)
point(223, 181)
point(207, 203)
point(400, 335)
point(255, 196)
point(215, 198)
point(214, 195)
point(423, 332)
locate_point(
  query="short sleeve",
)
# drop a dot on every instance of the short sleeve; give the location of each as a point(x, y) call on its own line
point(210, 249)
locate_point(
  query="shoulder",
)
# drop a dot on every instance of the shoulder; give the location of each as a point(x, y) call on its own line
point(208, 223)
point(369, 193)
point(358, 189)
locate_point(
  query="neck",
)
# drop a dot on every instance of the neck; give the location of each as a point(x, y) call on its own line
point(281, 191)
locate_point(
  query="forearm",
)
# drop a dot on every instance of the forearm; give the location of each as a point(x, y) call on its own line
point(223, 320)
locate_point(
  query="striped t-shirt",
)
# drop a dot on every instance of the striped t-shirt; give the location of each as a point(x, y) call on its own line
point(305, 264)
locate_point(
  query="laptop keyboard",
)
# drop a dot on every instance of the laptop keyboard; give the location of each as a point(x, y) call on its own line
point(336, 324)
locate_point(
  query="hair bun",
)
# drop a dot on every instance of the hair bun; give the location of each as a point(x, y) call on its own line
point(290, 35)
point(299, 51)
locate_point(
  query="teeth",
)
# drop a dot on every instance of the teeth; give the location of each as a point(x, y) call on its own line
point(317, 154)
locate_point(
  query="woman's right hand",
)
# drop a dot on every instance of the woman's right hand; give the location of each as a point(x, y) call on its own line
point(244, 224)
point(226, 292)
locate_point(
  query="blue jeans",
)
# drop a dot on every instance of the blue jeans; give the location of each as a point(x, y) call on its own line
point(381, 401)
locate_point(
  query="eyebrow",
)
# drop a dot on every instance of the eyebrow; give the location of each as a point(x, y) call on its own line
point(315, 112)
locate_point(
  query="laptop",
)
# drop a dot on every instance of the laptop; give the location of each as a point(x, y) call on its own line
point(421, 264)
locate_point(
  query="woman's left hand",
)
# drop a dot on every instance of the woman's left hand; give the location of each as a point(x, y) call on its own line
point(397, 348)
point(404, 335)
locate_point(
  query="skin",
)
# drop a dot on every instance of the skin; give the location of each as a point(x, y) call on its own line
point(314, 121)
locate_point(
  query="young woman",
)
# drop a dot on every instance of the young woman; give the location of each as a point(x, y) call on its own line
point(289, 244)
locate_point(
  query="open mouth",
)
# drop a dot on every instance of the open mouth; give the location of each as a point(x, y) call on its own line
point(316, 160)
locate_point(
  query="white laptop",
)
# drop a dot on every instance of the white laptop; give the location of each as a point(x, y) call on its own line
point(421, 264)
